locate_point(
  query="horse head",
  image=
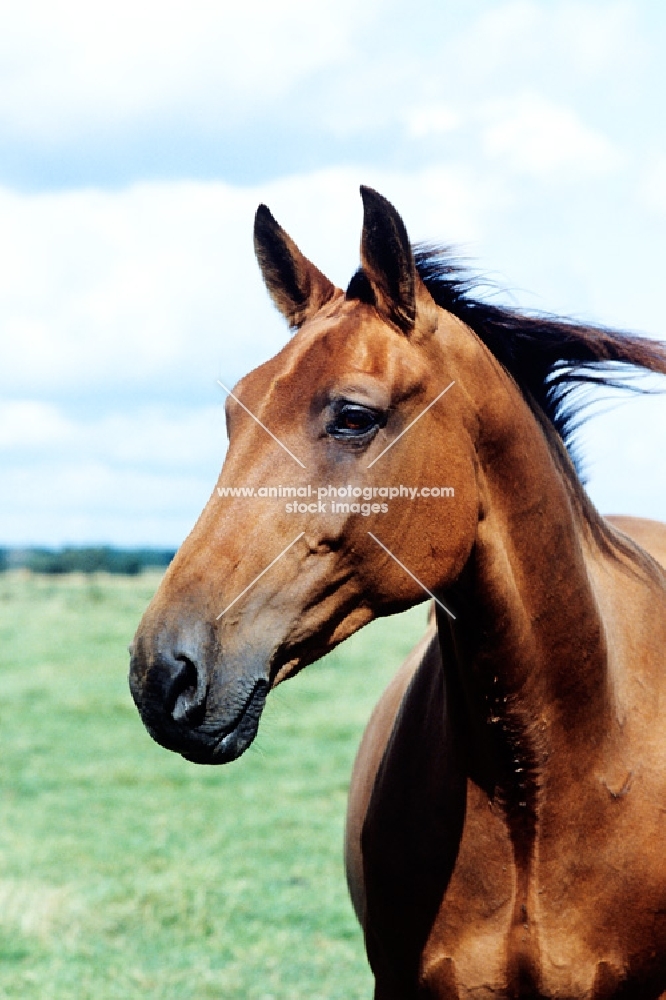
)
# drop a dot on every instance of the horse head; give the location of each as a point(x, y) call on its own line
point(348, 492)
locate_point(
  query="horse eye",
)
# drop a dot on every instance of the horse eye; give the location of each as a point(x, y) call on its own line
point(353, 421)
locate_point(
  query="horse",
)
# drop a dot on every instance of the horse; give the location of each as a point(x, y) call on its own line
point(507, 812)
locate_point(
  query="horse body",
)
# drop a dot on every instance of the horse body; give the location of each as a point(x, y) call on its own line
point(566, 899)
point(509, 799)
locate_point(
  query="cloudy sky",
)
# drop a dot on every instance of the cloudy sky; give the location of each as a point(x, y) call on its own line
point(137, 138)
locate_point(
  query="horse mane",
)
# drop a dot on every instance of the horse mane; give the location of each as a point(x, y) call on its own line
point(551, 360)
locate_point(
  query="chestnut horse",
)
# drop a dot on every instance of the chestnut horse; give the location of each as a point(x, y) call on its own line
point(507, 825)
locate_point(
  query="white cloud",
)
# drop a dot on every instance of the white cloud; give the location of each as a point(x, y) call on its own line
point(109, 290)
point(598, 38)
point(652, 186)
point(26, 425)
point(568, 41)
point(91, 502)
point(154, 436)
point(429, 120)
point(69, 65)
point(534, 136)
point(74, 70)
point(137, 476)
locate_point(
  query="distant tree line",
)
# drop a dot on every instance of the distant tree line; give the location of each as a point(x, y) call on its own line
point(88, 559)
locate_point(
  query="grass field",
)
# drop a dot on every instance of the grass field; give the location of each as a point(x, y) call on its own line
point(127, 872)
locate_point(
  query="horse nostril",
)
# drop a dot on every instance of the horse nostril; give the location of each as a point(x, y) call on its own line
point(188, 692)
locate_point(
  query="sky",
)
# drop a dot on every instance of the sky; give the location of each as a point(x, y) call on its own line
point(137, 139)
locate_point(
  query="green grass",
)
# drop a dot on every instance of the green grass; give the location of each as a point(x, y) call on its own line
point(127, 872)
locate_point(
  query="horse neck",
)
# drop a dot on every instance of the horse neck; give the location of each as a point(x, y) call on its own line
point(529, 640)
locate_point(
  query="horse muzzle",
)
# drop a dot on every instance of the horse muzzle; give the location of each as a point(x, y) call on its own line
point(192, 699)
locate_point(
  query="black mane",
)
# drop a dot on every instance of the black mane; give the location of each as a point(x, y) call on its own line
point(548, 357)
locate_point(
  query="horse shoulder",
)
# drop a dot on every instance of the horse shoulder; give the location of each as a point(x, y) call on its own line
point(368, 758)
point(407, 806)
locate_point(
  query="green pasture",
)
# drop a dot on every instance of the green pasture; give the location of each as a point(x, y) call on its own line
point(127, 872)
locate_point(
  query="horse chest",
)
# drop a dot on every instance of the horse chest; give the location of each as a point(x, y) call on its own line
point(579, 924)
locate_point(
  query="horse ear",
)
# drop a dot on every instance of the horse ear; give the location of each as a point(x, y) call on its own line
point(387, 260)
point(297, 287)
